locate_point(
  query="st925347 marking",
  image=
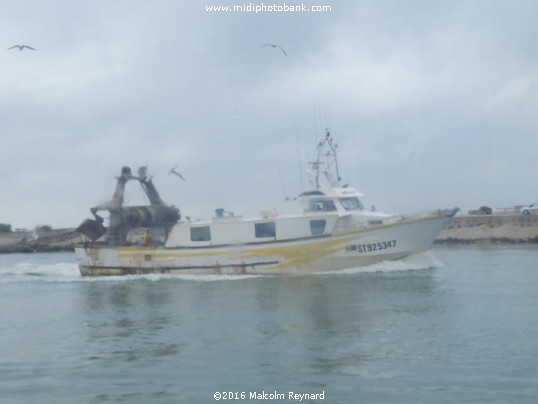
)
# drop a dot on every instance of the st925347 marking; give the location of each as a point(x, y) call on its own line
point(372, 247)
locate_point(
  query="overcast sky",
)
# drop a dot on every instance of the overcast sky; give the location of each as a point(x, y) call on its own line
point(434, 104)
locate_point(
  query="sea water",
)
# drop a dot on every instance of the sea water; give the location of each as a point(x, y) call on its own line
point(455, 325)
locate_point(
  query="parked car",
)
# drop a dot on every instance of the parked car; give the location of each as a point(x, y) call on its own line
point(532, 208)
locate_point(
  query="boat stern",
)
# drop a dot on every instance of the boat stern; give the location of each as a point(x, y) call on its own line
point(97, 260)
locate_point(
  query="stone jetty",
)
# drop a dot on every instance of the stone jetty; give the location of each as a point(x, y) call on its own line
point(44, 240)
point(499, 227)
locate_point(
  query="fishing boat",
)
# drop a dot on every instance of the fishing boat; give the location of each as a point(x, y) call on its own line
point(331, 231)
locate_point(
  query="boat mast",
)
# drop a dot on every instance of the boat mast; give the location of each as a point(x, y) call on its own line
point(326, 149)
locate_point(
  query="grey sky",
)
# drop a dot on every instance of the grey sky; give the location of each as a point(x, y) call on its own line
point(433, 103)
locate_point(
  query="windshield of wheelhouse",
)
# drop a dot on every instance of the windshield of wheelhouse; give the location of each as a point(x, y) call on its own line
point(321, 205)
point(351, 203)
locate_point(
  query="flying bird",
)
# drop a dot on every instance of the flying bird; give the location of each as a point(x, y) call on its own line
point(275, 46)
point(173, 171)
point(412, 152)
point(21, 47)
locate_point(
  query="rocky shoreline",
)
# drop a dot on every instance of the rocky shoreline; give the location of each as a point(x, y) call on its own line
point(40, 241)
point(498, 228)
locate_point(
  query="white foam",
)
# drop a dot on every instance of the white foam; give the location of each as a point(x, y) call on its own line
point(164, 277)
point(28, 271)
point(32, 271)
point(415, 262)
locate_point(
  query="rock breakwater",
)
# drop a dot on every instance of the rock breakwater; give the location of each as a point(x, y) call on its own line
point(495, 228)
point(41, 241)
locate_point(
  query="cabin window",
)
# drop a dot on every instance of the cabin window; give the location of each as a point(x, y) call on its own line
point(200, 233)
point(351, 204)
point(317, 226)
point(266, 229)
point(323, 205)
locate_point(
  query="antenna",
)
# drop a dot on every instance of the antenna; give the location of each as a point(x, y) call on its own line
point(282, 182)
point(331, 154)
point(297, 152)
point(327, 150)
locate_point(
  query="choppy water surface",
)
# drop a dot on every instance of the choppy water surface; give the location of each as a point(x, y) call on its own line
point(455, 325)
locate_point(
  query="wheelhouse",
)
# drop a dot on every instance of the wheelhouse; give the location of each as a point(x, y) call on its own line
point(317, 201)
point(236, 230)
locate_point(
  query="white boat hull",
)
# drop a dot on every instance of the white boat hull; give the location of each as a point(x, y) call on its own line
point(354, 248)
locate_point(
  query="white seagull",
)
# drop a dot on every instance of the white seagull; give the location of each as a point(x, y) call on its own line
point(275, 46)
point(21, 47)
point(173, 171)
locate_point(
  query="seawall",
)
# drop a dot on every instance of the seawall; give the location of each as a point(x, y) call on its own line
point(511, 227)
point(41, 241)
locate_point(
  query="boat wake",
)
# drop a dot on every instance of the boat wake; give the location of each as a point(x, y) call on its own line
point(30, 271)
point(30, 268)
point(33, 270)
point(415, 262)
